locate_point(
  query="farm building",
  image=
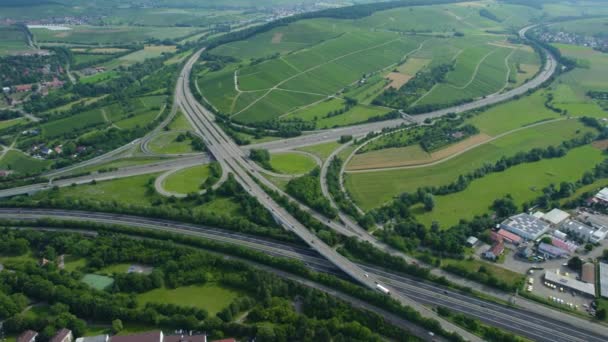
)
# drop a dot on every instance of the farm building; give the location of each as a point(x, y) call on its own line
point(525, 226)
point(551, 251)
point(588, 273)
point(604, 280)
point(575, 285)
point(555, 216)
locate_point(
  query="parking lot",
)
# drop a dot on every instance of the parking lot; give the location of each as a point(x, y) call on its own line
point(578, 301)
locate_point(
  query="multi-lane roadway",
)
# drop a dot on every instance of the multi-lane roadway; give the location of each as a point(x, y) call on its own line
point(517, 320)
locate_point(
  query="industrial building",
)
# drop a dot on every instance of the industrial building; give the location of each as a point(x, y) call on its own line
point(601, 196)
point(604, 280)
point(600, 225)
point(503, 235)
point(555, 217)
point(562, 281)
point(525, 226)
point(550, 251)
point(578, 229)
point(588, 273)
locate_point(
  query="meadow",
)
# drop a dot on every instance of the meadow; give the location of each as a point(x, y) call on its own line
point(166, 143)
point(109, 35)
point(210, 297)
point(372, 189)
point(12, 40)
point(19, 162)
point(292, 163)
point(523, 182)
point(187, 180)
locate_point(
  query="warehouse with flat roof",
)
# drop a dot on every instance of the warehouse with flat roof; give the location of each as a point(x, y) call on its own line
point(604, 280)
point(525, 226)
point(575, 285)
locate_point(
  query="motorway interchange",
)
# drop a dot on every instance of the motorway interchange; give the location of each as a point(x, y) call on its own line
point(233, 159)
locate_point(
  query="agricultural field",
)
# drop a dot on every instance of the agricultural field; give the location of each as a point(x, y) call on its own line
point(292, 163)
point(12, 40)
point(523, 182)
point(372, 189)
point(305, 70)
point(187, 180)
point(109, 35)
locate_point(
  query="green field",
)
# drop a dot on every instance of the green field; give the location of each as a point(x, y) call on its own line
point(98, 282)
point(72, 263)
point(509, 277)
point(108, 35)
point(187, 180)
point(21, 163)
point(372, 189)
point(180, 122)
point(524, 182)
point(166, 143)
point(292, 163)
point(322, 151)
point(209, 297)
point(116, 268)
point(12, 40)
point(126, 191)
point(307, 61)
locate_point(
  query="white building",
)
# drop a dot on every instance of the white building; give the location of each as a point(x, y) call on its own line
point(556, 216)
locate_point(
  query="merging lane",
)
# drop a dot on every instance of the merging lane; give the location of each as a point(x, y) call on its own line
point(233, 160)
point(517, 320)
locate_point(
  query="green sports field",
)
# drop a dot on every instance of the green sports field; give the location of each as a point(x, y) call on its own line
point(210, 297)
point(98, 282)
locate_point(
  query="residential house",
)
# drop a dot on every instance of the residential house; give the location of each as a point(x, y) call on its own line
point(63, 335)
point(27, 336)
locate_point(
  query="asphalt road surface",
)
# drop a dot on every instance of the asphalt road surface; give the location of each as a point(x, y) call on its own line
point(103, 176)
point(517, 320)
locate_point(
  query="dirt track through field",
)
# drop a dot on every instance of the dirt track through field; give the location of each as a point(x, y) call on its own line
point(384, 161)
point(457, 151)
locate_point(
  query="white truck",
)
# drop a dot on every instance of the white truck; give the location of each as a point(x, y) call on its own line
point(383, 289)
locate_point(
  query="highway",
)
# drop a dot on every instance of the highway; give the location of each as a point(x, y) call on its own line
point(517, 320)
point(102, 176)
point(233, 160)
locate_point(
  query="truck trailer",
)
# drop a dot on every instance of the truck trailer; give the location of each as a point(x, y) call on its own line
point(383, 289)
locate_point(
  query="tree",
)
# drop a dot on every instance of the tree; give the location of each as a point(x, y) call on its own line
point(575, 263)
point(588, 247)
point(117, 326)
point(504, 207)
point(546, 239)
point(429, 202)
